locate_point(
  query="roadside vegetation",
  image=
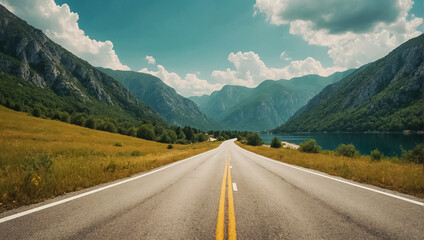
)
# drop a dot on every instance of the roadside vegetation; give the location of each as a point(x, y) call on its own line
point(43, 158)
point(43, 103)
point(403, 174)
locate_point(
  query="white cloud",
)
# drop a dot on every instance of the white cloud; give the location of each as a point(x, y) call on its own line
point(188, 86)
point(250, 70)
point(353, 38)
point(150, 60)
point(284, 56)
point(61, 25)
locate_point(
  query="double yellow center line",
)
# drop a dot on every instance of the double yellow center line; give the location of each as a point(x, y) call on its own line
point(226, 180)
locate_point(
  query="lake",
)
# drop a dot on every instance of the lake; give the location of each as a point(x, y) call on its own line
point(388, 143)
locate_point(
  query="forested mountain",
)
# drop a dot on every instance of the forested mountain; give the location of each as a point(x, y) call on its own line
point(265, 107)
point(37, 73)
point(386, 95)
point(173, 107)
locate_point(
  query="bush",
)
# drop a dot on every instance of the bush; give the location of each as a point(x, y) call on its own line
point(146, 132)
point(110, 127)
point(138, 153)
point(220, 138)
point(117, 144)
point(416, 155)
point(170, 146)
point(347, 150)
point(253, 139)
point(376, 155)
point(275, 143)
point(309, 146)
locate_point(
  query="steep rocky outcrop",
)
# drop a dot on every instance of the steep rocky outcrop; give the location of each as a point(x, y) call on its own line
point(25, 52)
point(386, 95)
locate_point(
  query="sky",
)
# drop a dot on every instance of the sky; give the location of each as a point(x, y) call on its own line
point(197, 47)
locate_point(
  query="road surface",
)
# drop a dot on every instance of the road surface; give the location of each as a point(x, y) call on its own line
point(269, 200)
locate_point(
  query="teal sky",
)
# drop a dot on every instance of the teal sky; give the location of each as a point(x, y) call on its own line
point(200, 46)
point(189, 36)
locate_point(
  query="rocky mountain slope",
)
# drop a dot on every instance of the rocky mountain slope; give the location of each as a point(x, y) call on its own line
point(265, 107)
point(65, 80)
point(173, 107)
point(386, 95)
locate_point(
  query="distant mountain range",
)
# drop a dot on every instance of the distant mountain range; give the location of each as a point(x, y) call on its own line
point(386, 95)
point(35, 70)
point(173, 107)
point(265, 107)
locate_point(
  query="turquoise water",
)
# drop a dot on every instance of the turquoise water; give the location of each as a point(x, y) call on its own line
point(387, 143)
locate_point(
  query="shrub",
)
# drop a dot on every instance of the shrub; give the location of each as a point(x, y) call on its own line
point(275, 143)
point(347, 150)
point(415, 155)
point(376, 155)
point(220, 138)
point(170, 146)
point(309, 146)
point(138, 153)
point(253, 139)
point(117, 144)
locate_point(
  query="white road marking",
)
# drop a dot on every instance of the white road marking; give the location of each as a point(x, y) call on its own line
point(235, 187)
point(17, 215)
point(336, 179)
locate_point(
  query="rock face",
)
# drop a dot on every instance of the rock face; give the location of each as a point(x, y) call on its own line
point(386, 95)
point(27, 53)
point(173, 107)
point(265, 107)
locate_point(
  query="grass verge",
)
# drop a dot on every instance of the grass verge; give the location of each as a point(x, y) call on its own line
point(388, 173)
point(40, 158)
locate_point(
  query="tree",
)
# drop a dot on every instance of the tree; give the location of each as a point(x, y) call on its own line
point(253, 139)
point(146, 131)
point(36, 112)
point(172, 135)
point(275, 143)
point(309, 146)
point(376, 155)
point(90, 123)
point(110, 127)
point(347, 150)
point(65, 117)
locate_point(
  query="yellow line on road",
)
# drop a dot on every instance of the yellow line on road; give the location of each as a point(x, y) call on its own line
point(232, 235)
point(221, 211)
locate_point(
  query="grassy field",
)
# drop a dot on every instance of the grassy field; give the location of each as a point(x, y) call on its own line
point(40, 158)
point(387, 173)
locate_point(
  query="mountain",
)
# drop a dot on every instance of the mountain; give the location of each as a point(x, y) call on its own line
point(265, 107)
point(386, 95)
point(35, 70)
point(173, 107)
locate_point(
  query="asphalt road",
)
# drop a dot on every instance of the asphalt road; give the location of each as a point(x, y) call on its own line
point(182, 201)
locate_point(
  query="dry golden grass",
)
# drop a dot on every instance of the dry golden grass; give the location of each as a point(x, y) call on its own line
point(40, 158)
point(387, 173)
